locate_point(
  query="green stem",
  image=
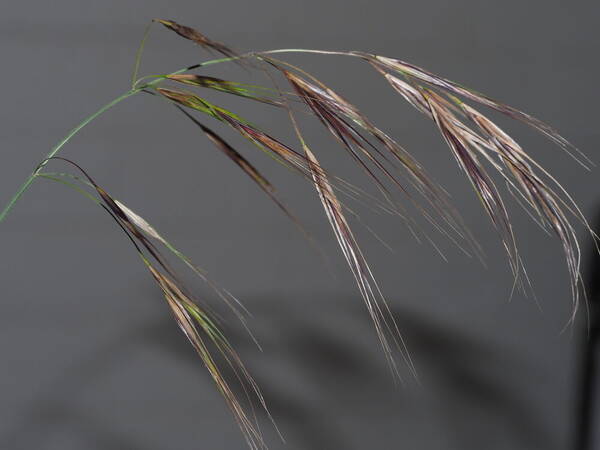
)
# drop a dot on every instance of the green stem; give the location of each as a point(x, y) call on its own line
point(130, 93)
point(49, 176)
point(248, 55)
point(138, 55)
point(57, 148)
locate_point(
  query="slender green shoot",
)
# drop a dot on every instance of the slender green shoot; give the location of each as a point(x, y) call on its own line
point(138, 55)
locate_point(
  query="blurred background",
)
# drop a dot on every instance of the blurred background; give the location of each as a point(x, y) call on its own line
point(91, 357)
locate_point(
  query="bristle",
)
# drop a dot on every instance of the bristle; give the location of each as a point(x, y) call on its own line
point(197, 37)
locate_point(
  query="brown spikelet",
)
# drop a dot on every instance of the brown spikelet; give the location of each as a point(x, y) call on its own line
point(256, 93)
point(194, 322)
point(465, 149)
point(286, 154)
point(232, 154)
point(385, 324)
point(248, 168)
point(525, 177)
point(182, 98)
point(197, 37)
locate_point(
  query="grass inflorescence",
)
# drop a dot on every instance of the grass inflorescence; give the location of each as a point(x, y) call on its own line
point(480, 147)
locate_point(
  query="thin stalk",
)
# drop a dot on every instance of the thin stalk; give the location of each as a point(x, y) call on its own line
point(57, 148)
point(50, 176)
point(280, 50)
point(248, 55)
point(138, 55)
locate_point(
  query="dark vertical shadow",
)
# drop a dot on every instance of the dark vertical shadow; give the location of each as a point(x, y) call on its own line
point(588, 370)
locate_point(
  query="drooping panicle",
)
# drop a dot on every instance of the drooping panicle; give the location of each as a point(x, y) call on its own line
point(196, 322)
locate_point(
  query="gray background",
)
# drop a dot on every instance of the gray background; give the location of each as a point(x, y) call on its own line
point(90, 356)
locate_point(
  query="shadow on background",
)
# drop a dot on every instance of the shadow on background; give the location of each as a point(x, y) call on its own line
point(327, 385)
